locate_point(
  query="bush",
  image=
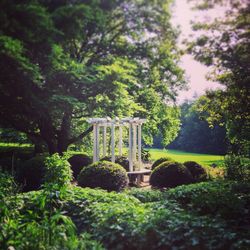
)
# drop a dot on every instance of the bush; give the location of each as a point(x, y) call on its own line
point(77, 162)
point(169, 175)
point(57, 171)
point(103, 174)
point(227, 199)
point(121, 160)
point(31, 173)
point(198, 172)
point(237, 168)
point(7, 185)
point(146, 195)
point(160, 161)
point(145, 155)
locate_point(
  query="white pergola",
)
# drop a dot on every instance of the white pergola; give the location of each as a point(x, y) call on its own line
point(134, 125)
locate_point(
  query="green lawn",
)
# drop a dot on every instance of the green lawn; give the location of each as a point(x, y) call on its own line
point(181, 156)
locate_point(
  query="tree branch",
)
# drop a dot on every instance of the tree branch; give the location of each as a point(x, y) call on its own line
point(79, 137)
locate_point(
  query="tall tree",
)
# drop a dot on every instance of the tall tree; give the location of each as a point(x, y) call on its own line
point(64, 61)
point(196, 135)
point(224, 44)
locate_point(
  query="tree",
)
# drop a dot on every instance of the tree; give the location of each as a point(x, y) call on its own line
point(224, 45)
point(64, 61)
point(196, 135)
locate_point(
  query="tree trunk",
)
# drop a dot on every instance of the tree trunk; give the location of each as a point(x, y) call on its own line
point(64, 134)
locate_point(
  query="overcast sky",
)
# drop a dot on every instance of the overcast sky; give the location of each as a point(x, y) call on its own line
point(195, 72)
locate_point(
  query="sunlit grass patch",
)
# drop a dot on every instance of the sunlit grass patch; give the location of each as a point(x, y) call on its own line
point(181, 156)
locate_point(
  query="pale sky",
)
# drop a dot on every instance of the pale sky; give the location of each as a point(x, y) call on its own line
point(195, 71)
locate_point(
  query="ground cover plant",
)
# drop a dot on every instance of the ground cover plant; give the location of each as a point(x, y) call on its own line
point(84, 218)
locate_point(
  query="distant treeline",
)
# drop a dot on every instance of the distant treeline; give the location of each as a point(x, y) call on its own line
point(196, 135)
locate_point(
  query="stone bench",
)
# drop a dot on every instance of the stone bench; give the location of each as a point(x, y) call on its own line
point(137, 176)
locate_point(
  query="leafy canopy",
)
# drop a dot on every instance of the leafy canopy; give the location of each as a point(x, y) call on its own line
point(64, 61)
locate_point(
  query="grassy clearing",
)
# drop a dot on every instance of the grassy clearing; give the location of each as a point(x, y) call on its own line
point(181, 156)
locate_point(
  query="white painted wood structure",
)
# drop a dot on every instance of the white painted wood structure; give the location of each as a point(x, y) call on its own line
point(134, 140)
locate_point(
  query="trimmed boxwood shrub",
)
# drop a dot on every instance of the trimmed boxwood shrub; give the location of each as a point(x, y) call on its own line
point(160, 161)
point(169, 175)
point(198, 172)
point(31, 173)
point(79, 161)
point(121, 160)
point(103, 174)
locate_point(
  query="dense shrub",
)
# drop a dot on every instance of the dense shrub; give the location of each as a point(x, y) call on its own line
point(169, 175)
point(120, 222)
point(103, 174)
point(228, 200)
point(31, 173)
point(146, 195)
point(121, 160)
point(198, 172)
point(160, 161)
point(145, 155)
point(237, 168)
point(35, 220)
point(57, 170)
point(7, 185)
point(79, 161)
point(84, 218)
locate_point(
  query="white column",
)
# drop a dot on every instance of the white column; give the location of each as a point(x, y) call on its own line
point(104, 141)
point(97, 142)
point(120, 140)
point(94, 142)
point(130, 148)
point(134, 142)
point(113, 142)
point(139, 146)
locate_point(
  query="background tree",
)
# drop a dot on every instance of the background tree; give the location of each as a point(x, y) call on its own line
point(224, 44)
point(64, 61)
point(196, 135)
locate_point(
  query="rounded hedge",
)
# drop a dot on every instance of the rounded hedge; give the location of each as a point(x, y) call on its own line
point(169, 175)
point(198, 172)
point(121, 160)
point(31, 173)
point(103, 174)
point(77, 162)
point(160, 161)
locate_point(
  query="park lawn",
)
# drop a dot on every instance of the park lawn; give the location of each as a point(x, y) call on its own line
point(181, 156)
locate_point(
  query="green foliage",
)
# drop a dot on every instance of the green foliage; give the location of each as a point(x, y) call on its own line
point(169, 175)
point(159, 224)
point(224, 44)
point(211, 215)
point(31, 173)
point(227, 200)
point(197, 135)
point(35, 220)
point(103, 174)
point(237, 168)
point(77, 162)
point(146, 195)
point(160, 161)
point(121, 65)
point(7, 185)
point(121, 160)
point(198, 172)
point(145, 155)
point(57, 171)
